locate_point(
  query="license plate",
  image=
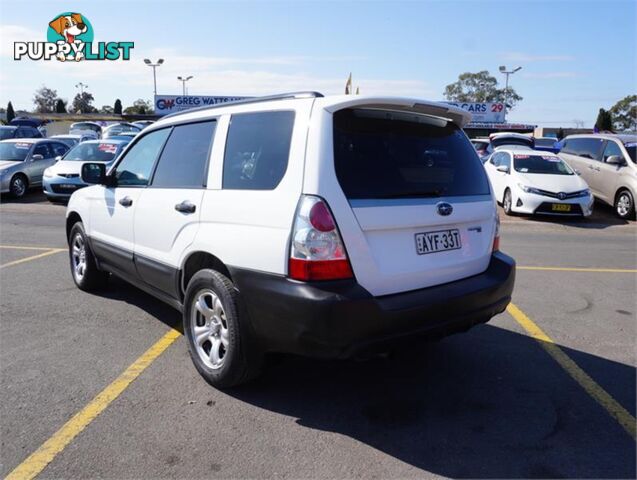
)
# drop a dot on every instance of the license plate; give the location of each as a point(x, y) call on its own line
point(438, 241)
point(560, 207)
point(67, 186)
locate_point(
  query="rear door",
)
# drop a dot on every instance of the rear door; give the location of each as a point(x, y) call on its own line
point(420, 198)
point(168, 211)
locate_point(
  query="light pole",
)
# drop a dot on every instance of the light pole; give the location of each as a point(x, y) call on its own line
point(183, 81)
point(154, 66)
point(503, 69)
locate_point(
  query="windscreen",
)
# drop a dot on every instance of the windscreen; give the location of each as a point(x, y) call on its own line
point(545, 142)
point(85, 126)
point(382, 154)
point(14, 151)
point(549, 165)
point(93, 152)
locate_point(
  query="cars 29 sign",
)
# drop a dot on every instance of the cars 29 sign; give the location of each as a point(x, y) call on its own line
point(484, 112)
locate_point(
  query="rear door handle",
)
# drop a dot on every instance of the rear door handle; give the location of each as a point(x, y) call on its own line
point(185, 207)
point(126, 201)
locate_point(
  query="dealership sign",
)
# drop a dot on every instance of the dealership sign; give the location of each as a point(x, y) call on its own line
point(486, 112)
point(165, 104)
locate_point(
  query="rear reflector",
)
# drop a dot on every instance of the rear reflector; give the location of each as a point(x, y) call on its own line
point(319, 269)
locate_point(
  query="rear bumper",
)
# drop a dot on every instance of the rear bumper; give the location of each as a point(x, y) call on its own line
point(340, 319)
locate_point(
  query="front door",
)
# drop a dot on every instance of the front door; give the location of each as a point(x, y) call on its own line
point(167, 216)
point(113, 208)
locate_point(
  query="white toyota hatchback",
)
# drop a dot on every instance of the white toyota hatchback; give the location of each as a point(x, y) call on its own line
point(323, 226)
point(537, 182)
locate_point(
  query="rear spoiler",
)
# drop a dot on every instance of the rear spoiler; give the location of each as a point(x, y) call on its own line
point(449, 112)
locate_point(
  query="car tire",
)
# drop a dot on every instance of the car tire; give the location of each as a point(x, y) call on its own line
point(507, 203)
point(217, 327)
point(625, 205)
point(86, 275)
point(19, 185)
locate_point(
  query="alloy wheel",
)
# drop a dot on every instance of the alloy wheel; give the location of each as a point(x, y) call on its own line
point(624, 204)
point(209, 328)
point(78, 256)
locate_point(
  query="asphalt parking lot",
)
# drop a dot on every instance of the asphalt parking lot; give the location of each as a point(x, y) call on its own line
point(546, 389)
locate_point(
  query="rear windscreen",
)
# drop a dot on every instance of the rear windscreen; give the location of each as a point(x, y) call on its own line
point(381, 154)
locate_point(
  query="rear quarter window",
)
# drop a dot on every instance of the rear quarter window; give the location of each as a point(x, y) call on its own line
point(257, 150)
point(393, 155)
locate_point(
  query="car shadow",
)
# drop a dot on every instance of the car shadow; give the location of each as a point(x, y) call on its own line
point(34, 195)
point(488, 403)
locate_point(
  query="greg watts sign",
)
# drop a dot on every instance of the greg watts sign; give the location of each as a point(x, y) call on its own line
point(165, 104)
point(70, 37)
point(487, 112)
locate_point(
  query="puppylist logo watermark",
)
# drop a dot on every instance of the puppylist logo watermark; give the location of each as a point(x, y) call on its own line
point(70, 38)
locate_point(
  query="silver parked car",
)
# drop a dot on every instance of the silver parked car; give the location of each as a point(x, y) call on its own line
point(607, 162)
point(23, 161)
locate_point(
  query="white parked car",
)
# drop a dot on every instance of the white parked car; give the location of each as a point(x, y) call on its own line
point(534, 182)
point(323, 226)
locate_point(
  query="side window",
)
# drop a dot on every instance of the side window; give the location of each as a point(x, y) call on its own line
point(20, 133)
point(257, 150)
point(136, 167)
point(185, 157)
point(612, 149)
point(42, 149)
point(58, 149)
point(495, 159)
point(585, 147)
point(505, 159)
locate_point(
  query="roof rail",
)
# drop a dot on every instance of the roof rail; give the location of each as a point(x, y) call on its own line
point(281, 96)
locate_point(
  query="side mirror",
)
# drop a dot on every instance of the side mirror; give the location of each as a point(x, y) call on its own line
point(502, 168)
point(58, 158)
point(37, 156)
point(577, 172)
point(615, 160)
point(94, 173)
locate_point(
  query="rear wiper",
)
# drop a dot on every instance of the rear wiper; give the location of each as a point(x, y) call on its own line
point(419, 194)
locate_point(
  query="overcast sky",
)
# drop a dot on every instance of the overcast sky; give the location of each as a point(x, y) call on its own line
point(577, 56)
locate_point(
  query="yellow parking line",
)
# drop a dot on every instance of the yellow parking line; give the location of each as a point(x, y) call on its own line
point(577, 269)
point(20, 247)
point(38, 460)
point(614, 409)
point(33, 257)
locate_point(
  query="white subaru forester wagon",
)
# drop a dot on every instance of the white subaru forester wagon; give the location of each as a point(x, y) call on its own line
point(321, 226)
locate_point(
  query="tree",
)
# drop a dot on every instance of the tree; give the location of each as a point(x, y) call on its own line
point(604, 122)
point(624, 114)
point(139, 107)
point(560, 133)
point(480, 87)
point(106, 109)
point(45, 100)
point(83, 103)
point(117, 109)
point(60, 106)
point(10, 112)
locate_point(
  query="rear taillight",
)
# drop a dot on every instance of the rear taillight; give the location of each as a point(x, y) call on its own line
point(496, 237)
point(317, 251)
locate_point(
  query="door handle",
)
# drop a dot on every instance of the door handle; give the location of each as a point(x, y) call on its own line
point(185, 207)
point(126, 201)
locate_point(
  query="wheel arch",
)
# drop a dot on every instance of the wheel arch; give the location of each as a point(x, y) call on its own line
point(71, 219)
point(198, 260)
